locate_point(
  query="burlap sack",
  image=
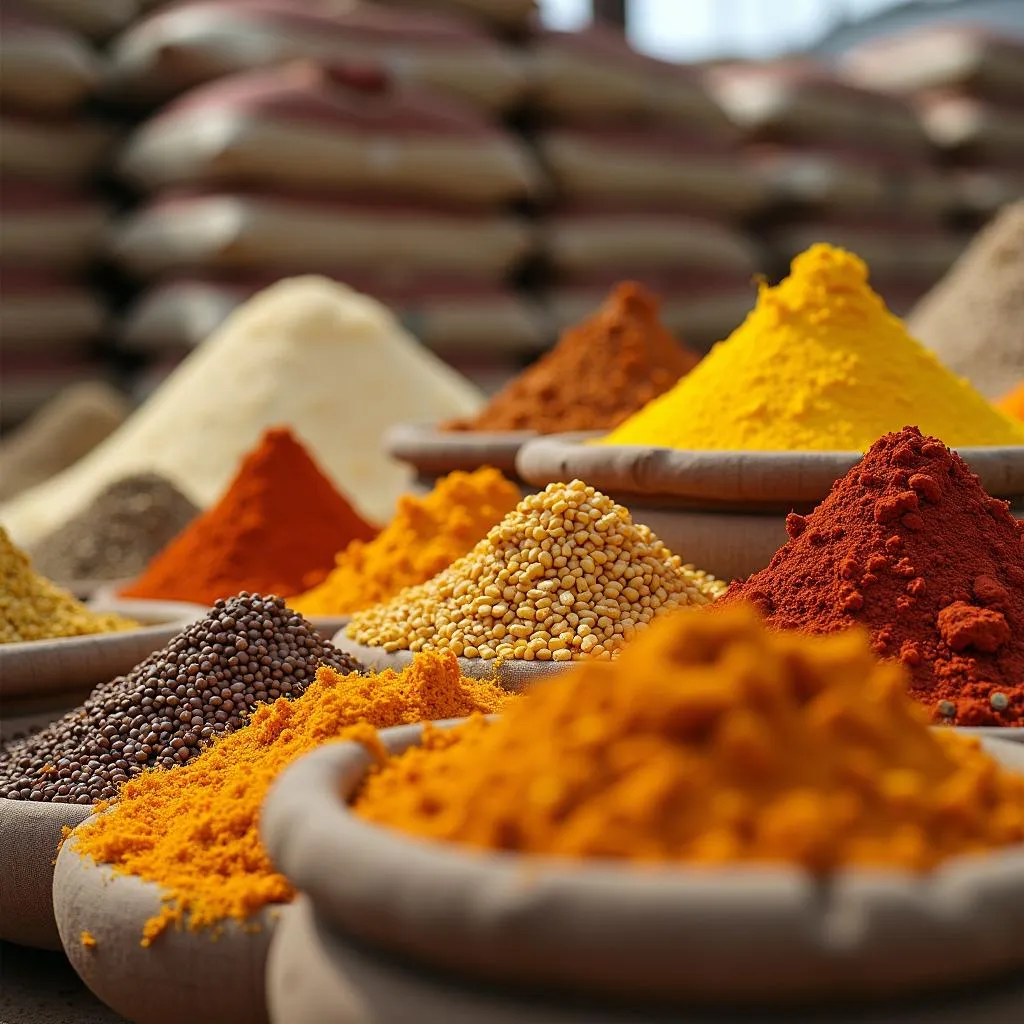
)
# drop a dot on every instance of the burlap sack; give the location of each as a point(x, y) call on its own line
point(49, 316)
point(61, 152)
point(433, 452)
point(317, 976)
point(737, 480)
point(514, 676)
point(972, 128)
point(754, 935)
point(96, 19)
point(254, 233)
point(182, 976)
point(48, 229)
point(30, 833)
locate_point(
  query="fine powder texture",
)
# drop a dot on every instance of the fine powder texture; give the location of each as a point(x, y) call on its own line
point(601, 371)
point(58, 435)
point(307, 353)
point(1013, 403)
point(711, 740)
point(819, 364)
point(426, 535)
point(973, 319)
point(909, 545)
point(162, 825)
point(205, 682)
point(33, 608)
point(275, 531)
point(117, 535)
point(566, 575)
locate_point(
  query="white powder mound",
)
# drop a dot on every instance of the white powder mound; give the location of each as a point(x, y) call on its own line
point(307, 353)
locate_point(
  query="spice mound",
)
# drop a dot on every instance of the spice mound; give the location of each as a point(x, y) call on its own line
point(247, 651)
point(59, 434)
point(566, 575)
point(161, 827)
point(819, 364)
point(1013, 403)
point(117, 535)
point(973, 319)
point(909, 545)
point(711, 741)
point(425, 536)
point(276, 530)
point(33, 608)
point(601, 371)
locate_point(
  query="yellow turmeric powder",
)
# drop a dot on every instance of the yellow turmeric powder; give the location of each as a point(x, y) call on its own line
point(820, 363)
point(1013, 403)
point(194, 830)
point(425, 536)
point(711, 740)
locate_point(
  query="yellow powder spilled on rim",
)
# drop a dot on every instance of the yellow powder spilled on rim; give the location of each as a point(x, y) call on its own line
point(33, 608)
point(194, 830)
point(819, 364)
point(710, 741)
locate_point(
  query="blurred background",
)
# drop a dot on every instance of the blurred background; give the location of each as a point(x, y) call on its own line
point(488, 168)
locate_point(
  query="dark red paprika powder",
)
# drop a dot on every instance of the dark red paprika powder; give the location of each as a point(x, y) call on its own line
point(909, 545)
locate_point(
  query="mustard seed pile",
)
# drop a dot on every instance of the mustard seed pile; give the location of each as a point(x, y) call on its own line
point(33, 608)
point(566, 575)
point(247, 651)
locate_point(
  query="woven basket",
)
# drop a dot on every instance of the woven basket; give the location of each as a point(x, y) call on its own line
point(752, 935)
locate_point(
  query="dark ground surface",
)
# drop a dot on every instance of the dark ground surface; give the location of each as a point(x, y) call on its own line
point(42, 988)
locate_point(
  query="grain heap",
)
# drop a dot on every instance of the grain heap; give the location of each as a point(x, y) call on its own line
point(117, 535)
point(160, 827)
point(33, 608)
point(712, 741)
point(59, 434)
point(566, 575)
point(820, 364)
point(308, 353)
point(426, 535)
point(909, 545)
point(205, 682)
point(601, 371)
point(275, 531)
point(973, 319)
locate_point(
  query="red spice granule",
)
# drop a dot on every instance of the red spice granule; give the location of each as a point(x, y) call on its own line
point(909, 545)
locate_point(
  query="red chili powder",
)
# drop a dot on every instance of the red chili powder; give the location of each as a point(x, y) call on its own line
point(909, 545)
point(277, 530)
point(601, 371)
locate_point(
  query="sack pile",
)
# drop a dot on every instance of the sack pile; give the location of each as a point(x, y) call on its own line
point(51, 216)
point(647, 184)
point(844, 164)
point(966, 86)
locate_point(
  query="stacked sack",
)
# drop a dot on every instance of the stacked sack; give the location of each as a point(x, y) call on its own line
point(357, 141)
point(647, 184)
point(845, 164)
point(51, 217)
point(967, 87)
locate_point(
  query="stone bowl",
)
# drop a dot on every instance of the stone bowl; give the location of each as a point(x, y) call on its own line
point(725, 510)
point(754, 935)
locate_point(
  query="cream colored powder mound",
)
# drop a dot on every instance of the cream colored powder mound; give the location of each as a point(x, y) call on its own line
point(332, 364)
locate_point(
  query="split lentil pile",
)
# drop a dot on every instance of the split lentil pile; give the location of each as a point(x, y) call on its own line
point(910, 546)
point(276, 531)
point(162, 826)
point(714, 741)
point(33, 608)
point(566, 575)
point(973, 319)
point(819, 364)
point(117, 535)
point(247, 651)
point(425, 536)
point(601, 371)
